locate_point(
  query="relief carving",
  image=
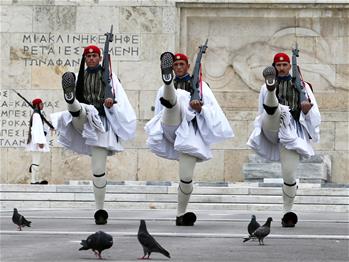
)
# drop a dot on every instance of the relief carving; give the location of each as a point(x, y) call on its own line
point(248, 61)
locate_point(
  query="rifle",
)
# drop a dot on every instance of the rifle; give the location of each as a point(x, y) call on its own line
point(30, 104)
point(196, 77)
point(106, 65)
point(296, 79)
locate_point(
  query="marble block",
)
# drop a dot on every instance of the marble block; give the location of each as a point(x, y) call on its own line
point(316, 169)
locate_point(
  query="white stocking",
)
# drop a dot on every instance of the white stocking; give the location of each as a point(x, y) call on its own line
point(186, 172)
point(99, 160)
point(35, 166)
point(171, 116)
point(79, 115)
point(271, 122)
point(289, 163)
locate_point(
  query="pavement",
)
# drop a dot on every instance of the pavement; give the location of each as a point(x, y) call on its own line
point(55, 235)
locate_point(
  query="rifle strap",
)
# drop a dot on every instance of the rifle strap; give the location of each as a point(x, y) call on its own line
point(80, 81)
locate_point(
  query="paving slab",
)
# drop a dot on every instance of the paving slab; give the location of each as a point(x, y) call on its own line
point(217, 236)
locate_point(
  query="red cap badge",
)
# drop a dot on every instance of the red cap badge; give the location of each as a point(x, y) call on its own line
point(281, 57)
point(180, 56)
point(92, 49)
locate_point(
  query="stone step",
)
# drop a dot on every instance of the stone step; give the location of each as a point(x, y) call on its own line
point(9, 205)
point(171, 198)
point(237, 196)
point(237, 189)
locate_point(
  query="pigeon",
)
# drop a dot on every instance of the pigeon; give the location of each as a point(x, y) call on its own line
point(253, 225)
point(98, 242)
point(148, 243)
point(261, 232)
point(20, 220)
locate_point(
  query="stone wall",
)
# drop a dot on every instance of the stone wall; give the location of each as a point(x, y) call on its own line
point(42, 39)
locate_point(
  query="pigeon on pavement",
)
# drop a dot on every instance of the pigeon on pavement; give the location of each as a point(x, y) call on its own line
point(253, 225)
point(148, 243)
point(261, 232)
point(19, 220)
point(98, 242)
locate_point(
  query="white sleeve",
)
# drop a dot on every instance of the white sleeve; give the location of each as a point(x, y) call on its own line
point(125, 126)
point(37, 130)
point(212, 122)
point(311, 121)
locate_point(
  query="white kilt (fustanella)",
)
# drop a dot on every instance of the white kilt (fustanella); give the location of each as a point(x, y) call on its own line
point(39, 135)
point(212, 127)
point(107, 132)
point(293, 135)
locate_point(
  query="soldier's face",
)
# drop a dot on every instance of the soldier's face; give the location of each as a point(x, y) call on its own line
point(180, 68)
point(40, 106)
point(92, 59)
point(283, 68)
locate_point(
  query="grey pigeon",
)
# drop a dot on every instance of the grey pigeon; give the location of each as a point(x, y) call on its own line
point(261, 232)
point(98, 242)
point(148, 243)
point(253, 225)
point(20, 220)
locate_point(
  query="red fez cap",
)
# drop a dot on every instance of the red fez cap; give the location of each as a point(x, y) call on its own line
point(281, 57)
point(180, 56)
point(36, 101)
point(92, 49)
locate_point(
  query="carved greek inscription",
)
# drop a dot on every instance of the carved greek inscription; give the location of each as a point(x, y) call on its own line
point(15, 115)
point(66, 49)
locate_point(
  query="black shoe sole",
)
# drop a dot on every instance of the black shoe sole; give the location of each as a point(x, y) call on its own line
point(68, 85)
point(167, 59)
point(269, 74)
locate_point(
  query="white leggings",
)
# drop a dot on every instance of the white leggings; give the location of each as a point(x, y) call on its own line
point(35, 166)
point(185, 188)
point(99, 161)
point(171, 116)
point(98, 155)
point(271, 122)
point(78, 121)
point(289, 158)
point(289, 162)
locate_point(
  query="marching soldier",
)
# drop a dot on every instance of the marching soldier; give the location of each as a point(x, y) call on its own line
point(183, 130)
point(285, 127)
point(95, 125)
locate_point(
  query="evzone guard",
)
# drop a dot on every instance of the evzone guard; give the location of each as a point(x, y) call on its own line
point(98, 119)
point(184, 126)
point(287, 123)
point(38, 141)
